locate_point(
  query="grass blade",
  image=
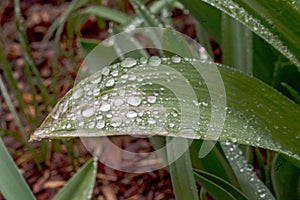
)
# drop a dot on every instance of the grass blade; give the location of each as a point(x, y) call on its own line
point(251, 186)
point(12, 184)
point(27, 53)
point(217, 187)
point(12, 109)
point(184, 186)
point(13, 84)
point(105, 13)
point(236, 45)
point(80, 186)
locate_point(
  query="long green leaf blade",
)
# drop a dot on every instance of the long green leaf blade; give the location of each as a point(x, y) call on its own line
point(105, 13)
point(256, 114)
point(12, 184)
point(276, 22)
point(251, 185)
point(183, 185)
point(217, 187)
point(81, 185)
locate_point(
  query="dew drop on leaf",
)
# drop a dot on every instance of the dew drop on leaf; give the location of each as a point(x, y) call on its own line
point(128, 62)
point(154, 61)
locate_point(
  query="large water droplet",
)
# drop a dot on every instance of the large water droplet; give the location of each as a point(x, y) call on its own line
point(110, 83)
point(97, 80)
point(88, 112)
point(128, 62)
point(151, 99)
point(116, 121)
point(131, 114)
point(118, 102)
point(77, 93)
point(134, 101)
point(143, 60)
point(105, 71)
point(100, 124)
point(176, 59)
point(151, 121)
point(91, 125)
point(154, 61)
point(104, 107)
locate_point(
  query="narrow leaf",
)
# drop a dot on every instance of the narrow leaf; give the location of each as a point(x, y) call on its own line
point(251, 185)
point(183, 185)
point(81, 185)
point(217, 187)
point(12, 184)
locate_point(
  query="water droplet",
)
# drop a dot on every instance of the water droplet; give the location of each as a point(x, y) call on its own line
point(104, 107)
point(128, 62)
point(110, 83)
point(105, 71)
point(171, 125)
point(151, 99)
point(100, 124)
point(131, 114)
point(77, 93)
point(88, 112)
point(176, 59)
point(55, 114)
point(91, 125)
point(204, 103)
point(69, 126)
point(116, 121)
point(134, 101)
point(115, 73)
point(118, 102)
point(39, 131)
point(143, 60)
point(96, 91)
point(151, 121)
point(96, 80)
point(104, 97)
point(81, 124)
point(154, 61)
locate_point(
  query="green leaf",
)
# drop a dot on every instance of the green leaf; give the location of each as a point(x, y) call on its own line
point(12, 184)
point(184, 187)
point(144, 13)
point(250, 184)
point(285, 179)
point(256, 114)
point(105, 13)
point(81, 185)
point(236, 45)
point(214, 162)
point(217, 187)
point(276, 22)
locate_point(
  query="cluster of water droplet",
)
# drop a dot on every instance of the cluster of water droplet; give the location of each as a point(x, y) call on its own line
point(244, 170)
point(113, 100)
